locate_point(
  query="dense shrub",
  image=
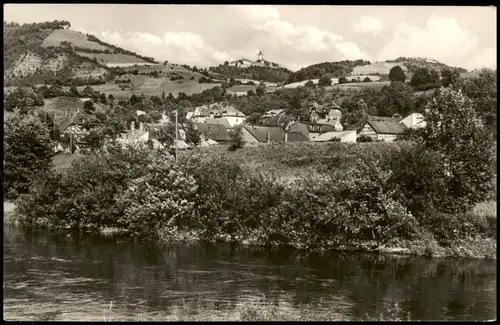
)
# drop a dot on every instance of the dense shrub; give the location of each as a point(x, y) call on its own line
point(237, 140)
point(448, 228)
point(421, 181)
point(28, 151)
point(160, 199)
point(84, 195)
point(309, 213)
point(364, 138)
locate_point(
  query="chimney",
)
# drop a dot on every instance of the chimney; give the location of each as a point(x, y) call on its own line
point(268, 137)
point(286, 137)
point(132, 126)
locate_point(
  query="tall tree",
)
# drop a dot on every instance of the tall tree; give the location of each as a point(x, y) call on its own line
point(449, 77)
point(455, 130)
point(28, 151)
point(424, 79)
point(397, 74)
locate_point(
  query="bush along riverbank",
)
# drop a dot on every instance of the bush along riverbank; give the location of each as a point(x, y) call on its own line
point(208, 198)
point(416, 199)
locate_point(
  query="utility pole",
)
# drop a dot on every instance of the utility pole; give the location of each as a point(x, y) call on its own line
point(71, 142)
point(175, 135)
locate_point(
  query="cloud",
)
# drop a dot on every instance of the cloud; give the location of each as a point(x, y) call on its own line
point(369, 25)
point(487, 58)
point(298, 45)
point(443, 39)
point(259, 12)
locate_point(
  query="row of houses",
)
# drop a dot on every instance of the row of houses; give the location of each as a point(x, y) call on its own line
point(217, 120)
point(324, 124)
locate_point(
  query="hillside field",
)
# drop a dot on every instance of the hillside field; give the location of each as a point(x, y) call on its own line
point(75, 38)
point(78, 39)
point(376, 68)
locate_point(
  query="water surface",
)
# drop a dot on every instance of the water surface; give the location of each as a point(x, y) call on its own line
point(56, 277)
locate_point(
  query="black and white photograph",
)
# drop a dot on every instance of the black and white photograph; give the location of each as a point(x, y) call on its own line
point(170, 162)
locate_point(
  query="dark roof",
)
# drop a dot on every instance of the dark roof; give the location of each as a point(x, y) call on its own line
point(335, 105)
point(217, 109)
point(281, 120)
point(383, 118)
point(321, 128)
point(220, 121)
point(361, 123)
point(296, 136)
point(385, 127)
point(69, 120)
point(260, 133)
point(299, 128)
point(216, 132)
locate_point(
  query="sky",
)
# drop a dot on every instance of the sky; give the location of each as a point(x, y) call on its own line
point(291, 35)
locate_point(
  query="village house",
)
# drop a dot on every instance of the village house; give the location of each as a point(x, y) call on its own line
point(217, 112)
point(382, 128)
point(330, 116)
point(152, 134)
point(212, 134)
point(414, 121)
point(224, 122)
point(309, 130)
point(72, 130)
point(254, 135)
point(348, 136)
point(276, 118)
point(389, 128)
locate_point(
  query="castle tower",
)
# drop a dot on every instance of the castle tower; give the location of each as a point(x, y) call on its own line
point(260, 56)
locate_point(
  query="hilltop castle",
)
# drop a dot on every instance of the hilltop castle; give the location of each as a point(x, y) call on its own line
point(243, 63)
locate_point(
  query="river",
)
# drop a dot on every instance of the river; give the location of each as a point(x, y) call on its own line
point(68, 277)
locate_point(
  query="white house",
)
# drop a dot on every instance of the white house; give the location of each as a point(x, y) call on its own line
point(344, 136)
point(217, 111)
point(414, 120)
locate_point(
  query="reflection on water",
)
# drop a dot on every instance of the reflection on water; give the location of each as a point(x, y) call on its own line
point(72, 277)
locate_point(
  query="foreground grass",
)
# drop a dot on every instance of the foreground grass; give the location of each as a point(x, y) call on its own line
point(251, 311)
point(258, 310)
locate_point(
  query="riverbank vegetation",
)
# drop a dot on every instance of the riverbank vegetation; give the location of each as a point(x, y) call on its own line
point(416, 195)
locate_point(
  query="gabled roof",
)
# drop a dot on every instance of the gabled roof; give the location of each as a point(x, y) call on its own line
point(273, 112)
point(216, 109)
point(299, 128)
point(382, 118)
point(216, 132)
point(387, 127)
point(220, 121)
point(335, 105)
point(77, 118)
point(296, 136)
point(276, 134)
point(317, 127)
